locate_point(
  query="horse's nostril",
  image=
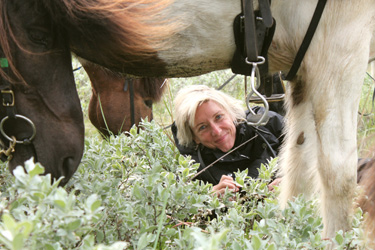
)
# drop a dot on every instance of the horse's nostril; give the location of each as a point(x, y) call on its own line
point(69, 166)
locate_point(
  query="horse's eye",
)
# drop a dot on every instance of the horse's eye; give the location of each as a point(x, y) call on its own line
point(39, 37)
point(148, 103)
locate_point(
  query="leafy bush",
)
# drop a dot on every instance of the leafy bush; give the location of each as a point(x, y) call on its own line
point(135, 192)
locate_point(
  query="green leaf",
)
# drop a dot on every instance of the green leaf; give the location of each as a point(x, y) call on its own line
point(271, 247)
point(74, 225)
point(256, 242)
point(137, 192)
point(49, 247)
point(26, 227)
point(99, 236)
point(93, 203)
point(339, 238)
point(34, 169)
point(9, 223)
point(185, 173)
point(143, 241)
point(18, 242)
point(60, 203)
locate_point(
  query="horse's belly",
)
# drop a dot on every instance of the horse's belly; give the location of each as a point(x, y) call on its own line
point(206, 43)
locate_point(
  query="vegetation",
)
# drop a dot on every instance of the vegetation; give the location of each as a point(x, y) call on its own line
point(136, 192)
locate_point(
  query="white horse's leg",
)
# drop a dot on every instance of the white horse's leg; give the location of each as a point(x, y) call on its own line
point(320, 150)
point(299, 173)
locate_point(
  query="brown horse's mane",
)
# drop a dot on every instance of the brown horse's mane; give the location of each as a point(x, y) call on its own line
point(4, 42)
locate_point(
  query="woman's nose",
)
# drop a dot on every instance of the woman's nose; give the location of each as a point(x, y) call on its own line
point(215, 130)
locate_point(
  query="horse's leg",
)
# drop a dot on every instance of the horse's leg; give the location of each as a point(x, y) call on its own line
point(299, 173)
point(320, 152)
point(338, 165)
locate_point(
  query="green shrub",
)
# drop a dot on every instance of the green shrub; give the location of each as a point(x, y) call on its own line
point(134, 192)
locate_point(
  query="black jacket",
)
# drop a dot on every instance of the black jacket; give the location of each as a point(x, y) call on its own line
point(250, 155)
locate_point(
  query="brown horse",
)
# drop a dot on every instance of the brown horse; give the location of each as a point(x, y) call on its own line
point(366, 177)
point(40, 113)
point(119, 102)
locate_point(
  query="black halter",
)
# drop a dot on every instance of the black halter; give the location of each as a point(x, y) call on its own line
point(8, 104)
point(129, 84)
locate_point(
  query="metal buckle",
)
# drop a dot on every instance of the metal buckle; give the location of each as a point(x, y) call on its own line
point(10, 92)
point(259, 119)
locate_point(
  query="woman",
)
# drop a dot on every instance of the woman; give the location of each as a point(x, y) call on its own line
point(209, 124)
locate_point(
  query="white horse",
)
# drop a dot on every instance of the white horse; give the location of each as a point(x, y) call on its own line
point(319, 155)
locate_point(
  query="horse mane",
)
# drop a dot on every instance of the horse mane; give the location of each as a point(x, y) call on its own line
point(115, 30)
point(6, 34)
point(151, 87)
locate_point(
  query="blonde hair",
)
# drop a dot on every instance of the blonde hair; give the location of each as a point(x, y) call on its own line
point(190, 98)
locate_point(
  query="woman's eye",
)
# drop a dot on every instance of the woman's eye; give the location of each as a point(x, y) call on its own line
point(201, 127)
point(218, 117)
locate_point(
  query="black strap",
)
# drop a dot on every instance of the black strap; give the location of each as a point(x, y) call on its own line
point(253, 33)
point(7, 95)
point(307, 39)
point(250, 31)
point(131, 100)
point(129, 85)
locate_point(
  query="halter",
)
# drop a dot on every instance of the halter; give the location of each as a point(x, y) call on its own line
point(8, 101)
point(129, 84)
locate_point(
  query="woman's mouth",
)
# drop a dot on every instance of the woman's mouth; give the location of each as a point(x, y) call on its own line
point(221, 139)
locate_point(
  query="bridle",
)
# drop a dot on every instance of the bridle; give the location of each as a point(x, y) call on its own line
point(130, 85)
point(8, 104)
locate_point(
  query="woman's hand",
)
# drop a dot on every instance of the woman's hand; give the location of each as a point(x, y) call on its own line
point(225, 182)
point(275, 182)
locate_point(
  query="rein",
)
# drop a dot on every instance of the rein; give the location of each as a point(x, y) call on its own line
point(8, 103)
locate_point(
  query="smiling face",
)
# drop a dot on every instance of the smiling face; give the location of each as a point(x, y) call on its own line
point(213, 127)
